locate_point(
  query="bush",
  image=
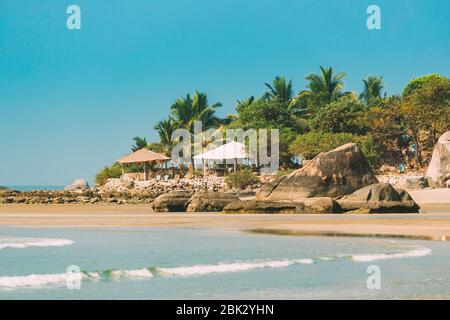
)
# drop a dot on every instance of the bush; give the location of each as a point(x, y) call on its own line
point(241, 179)
point(114, 171)
point(312, 143)
point(344, 115)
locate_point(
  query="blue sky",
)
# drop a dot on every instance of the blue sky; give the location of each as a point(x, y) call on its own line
point(72, 100)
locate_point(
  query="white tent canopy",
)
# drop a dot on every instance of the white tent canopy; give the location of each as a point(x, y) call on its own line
point(230, 150)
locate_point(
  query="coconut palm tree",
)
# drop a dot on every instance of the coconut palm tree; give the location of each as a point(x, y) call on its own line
point(165, 128)
point(186, 111)
point(323, 88)
point(140, 143)
point(373, 85)
point(280, 89)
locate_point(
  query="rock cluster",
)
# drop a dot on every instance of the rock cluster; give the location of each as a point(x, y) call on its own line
point(156, 187)
point(66, 197)
point(331, 174)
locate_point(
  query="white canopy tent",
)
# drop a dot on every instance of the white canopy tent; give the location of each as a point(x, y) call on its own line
point(231, 150)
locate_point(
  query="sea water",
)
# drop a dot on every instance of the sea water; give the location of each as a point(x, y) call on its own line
point(153, 263)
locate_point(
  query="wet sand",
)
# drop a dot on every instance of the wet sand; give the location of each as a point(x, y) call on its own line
point(433, 224)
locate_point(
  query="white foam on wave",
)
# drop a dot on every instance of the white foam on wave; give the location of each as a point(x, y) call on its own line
point(198, 270)
point(21, 243)
point(34, 280)
point(138, 273)
point(417, 252)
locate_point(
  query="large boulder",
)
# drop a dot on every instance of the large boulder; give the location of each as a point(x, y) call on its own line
point(331, 174)
point(174, 201)
point(305, 206)
point(379, 198)
point(210, 201)
point(438, 172)
point(78, 185)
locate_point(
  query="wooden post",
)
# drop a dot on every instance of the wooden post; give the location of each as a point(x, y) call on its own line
point(145, 172)
point(235, 164)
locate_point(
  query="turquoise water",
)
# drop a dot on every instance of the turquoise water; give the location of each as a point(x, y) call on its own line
point(150, 263)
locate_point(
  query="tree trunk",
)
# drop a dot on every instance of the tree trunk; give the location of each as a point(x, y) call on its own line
point(417, 153)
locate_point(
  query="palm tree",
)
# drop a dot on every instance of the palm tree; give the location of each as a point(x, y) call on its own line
point(186, 111)
point(280, 90)
point(165, 128)
point(324, 87)
point(373, 85)
point(140, 143)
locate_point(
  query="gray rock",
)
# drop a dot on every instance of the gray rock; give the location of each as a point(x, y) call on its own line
point(438, 172)
point(331, 174)
point(379, 198)
point(78, 185)
point(210, 201)
point(415, 182)
point(174, 201)
point(305, 206)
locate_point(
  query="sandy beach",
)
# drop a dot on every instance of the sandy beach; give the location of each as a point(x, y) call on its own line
point(432, 224)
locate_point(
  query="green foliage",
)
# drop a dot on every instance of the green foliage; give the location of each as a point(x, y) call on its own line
point(241, 179)
point(140, 143)
point(373, 85)
point(416, 83)
point(272, 114)
point(114, 171)
point(312, 143)
point(323, 88)
point(343, 115)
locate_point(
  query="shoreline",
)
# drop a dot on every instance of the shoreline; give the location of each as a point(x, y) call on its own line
point(434, 224)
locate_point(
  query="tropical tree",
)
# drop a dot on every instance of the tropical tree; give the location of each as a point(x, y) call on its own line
point(323, 88)
point(280, 90)
point(373, 86)
point(186, 111)
point(140, 143)
point(165, 128)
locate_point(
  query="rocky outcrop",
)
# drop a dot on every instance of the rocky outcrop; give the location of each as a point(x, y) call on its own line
point(156, 187)
point(255, 206)
point(331, 174)
point(73, 197)
point(438, 172)
point(379, 198)
point(174, 201)
point(210, 201)
point(305, 206)
point(78, 185)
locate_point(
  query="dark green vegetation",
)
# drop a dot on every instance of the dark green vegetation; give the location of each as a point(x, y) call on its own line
point(391, 129)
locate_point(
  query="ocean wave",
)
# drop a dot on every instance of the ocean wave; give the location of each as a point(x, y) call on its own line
point(21, 243)
point(230, 267)
point(413, 253)
point(37, 280)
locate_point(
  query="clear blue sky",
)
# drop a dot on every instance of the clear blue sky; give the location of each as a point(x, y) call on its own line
point(71, 101)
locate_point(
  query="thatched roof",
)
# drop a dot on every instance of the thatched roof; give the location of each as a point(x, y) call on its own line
point(143, 155)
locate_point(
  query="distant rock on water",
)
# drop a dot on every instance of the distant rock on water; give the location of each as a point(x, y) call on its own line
point(438, 173)
point(331, 174)
point(78, 185)
point(4, 189)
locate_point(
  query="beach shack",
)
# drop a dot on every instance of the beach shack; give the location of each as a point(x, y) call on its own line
point(142, 157)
